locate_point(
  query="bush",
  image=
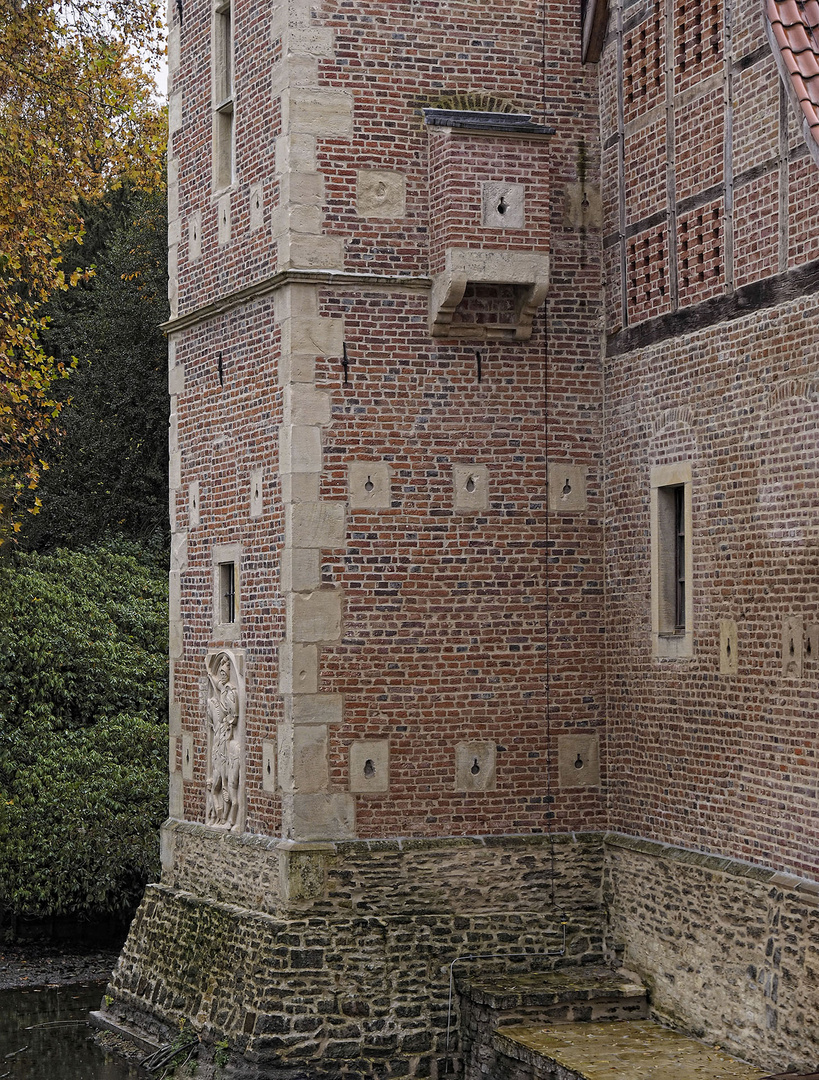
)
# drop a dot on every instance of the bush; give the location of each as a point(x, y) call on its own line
point(83, 730)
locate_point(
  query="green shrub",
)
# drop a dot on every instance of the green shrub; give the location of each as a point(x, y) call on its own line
point(83, 729)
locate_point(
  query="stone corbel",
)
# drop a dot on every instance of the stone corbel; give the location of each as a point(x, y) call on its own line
point(527, 272)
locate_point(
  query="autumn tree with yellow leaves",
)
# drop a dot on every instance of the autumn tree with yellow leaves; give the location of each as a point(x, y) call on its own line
point(78, 115)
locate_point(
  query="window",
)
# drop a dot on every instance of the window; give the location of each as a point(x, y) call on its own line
point(671, 561)
point(227, 597)
point(222, 96)
point(227, 592)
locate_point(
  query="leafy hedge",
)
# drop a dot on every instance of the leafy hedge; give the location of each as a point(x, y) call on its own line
point(83, 729)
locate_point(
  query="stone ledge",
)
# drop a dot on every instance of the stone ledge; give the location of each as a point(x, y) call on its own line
point(543, 989)
point(807, 889)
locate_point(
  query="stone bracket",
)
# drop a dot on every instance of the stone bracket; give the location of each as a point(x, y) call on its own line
point(527, 273)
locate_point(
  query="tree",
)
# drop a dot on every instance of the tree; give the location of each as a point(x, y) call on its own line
point(83, 731)
point(107, 472)
point(77, 114)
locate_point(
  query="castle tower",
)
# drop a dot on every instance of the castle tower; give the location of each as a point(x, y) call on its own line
point(493, 373)
point(385, 437)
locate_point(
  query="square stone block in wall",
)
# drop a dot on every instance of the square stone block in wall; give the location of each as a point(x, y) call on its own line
point(567, 486)
point(193, 504)
point(256, 493)
point(502, 205)
point(475, 766)
point(195, 236)
point(256, 206)
point(792, 646)
point(298, 668)
point(370, 765)
point(269, 766)
point(578, 760)
point(369, 485)
point(187, 756)
point(380, 194)
point(728, 660)
point(470, 485)
point(223, 214)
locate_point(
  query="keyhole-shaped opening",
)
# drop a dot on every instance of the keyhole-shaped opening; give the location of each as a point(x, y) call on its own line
point(269, 768)
point(728, 647)
point(475, 767)
point(470, 484)
point(503, 205)
point(369, 486)
point(567, 489)
point(792, 648)
point(809, 647)
point(585, 201)
point(369, 768)
point(258, 202)
point(187, 757)
point(578, 763)
point(255, 493)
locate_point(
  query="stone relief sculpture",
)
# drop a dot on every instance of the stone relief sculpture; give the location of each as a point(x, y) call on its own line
point(224, 800)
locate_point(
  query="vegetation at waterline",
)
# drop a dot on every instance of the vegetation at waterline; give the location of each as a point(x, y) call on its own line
point(83, 738)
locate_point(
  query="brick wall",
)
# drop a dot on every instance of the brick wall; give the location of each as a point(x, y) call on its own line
point(700, 755)
point(443, 609)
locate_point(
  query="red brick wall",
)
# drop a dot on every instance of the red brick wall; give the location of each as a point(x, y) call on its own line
point(721, 762)
point(445, 614)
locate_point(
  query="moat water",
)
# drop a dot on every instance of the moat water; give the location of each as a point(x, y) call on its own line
point(45, 1035)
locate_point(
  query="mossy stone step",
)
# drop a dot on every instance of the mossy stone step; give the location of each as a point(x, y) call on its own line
point(618, 1050)
point(549, 988)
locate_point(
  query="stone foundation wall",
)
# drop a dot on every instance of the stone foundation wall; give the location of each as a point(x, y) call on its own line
point(729, 950)
point(457, 874)
point(352, 980)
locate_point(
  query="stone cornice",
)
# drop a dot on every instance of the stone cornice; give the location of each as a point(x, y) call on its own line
point(277, 281)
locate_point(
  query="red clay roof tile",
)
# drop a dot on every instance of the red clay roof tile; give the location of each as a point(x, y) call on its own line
point(794, 33)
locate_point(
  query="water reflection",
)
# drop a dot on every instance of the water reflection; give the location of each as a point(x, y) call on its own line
point(46, 1033)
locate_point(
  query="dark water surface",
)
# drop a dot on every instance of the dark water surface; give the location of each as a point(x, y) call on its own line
point(45, 1035)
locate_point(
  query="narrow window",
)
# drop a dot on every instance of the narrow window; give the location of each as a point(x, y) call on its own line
point(671, 561)
point(227, 592)
point(679, 558)
point(223, 134)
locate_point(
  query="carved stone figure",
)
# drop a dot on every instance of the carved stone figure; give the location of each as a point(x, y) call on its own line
point(225, 739)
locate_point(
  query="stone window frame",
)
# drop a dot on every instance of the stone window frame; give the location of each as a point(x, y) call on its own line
point(223, 92)
point(672, 636)
point(225, 555)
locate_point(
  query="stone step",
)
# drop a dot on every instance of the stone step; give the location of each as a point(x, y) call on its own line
point(563, 995)
point(624, 1050)
point(560, 996)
